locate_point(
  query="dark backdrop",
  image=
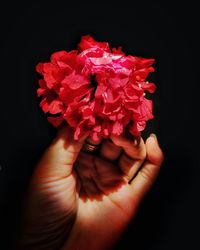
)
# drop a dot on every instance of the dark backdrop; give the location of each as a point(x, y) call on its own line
point(30, 32)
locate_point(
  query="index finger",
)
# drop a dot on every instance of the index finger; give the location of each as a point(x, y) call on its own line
point(133, 154)
point(132, 146)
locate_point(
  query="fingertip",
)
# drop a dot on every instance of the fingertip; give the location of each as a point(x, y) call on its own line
point(154, 152)
point(125, 140)
point(116, 139)
point(154, 136)
point(93, 141)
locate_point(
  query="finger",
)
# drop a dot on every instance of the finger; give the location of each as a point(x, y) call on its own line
point(110, 151)
point(90, 145)
point(133, 147)
point(107, 175)
point(134, 154)
point(96, 168)
point(97, 174)
point(148, 173)
point(84, 167)
point(129, 166)
point(58, 159)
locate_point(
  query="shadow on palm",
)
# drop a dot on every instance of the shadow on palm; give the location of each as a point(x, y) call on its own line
point(97, 176)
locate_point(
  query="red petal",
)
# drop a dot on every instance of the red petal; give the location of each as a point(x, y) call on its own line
point(118, 51)
point(56, 121)
point(145, 110)
point(39, 68)
point(88, 42)
point(42, 84)
point(58, 75)
point(74, 81)
point(150, 87)
point(41, 91)
point(44, 105)
point(117, 128)
point(55, 106)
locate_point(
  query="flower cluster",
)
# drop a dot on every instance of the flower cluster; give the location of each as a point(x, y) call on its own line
point(96, 89)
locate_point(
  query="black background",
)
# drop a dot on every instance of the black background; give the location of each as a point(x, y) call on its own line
point(169, 216)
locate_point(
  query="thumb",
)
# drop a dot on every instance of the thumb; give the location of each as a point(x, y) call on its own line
point(150, 169)
point(58, 159)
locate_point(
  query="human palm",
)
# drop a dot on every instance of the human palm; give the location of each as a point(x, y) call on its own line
point(79, 200)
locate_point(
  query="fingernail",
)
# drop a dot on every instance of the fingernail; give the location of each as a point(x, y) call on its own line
point(153, 136)
point(137, 141)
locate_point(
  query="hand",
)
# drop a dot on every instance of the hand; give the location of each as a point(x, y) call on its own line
point(77, 200)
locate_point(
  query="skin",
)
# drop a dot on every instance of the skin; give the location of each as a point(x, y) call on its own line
point(78, 200)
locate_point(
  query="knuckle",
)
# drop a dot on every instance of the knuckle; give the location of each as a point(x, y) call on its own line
point(143, 154)
point(116, 142)
point(147, 174)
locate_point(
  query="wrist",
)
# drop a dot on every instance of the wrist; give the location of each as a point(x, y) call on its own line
point(91, 238)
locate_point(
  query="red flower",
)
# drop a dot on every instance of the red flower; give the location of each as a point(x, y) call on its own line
point(87, 42)
point(97, 90)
